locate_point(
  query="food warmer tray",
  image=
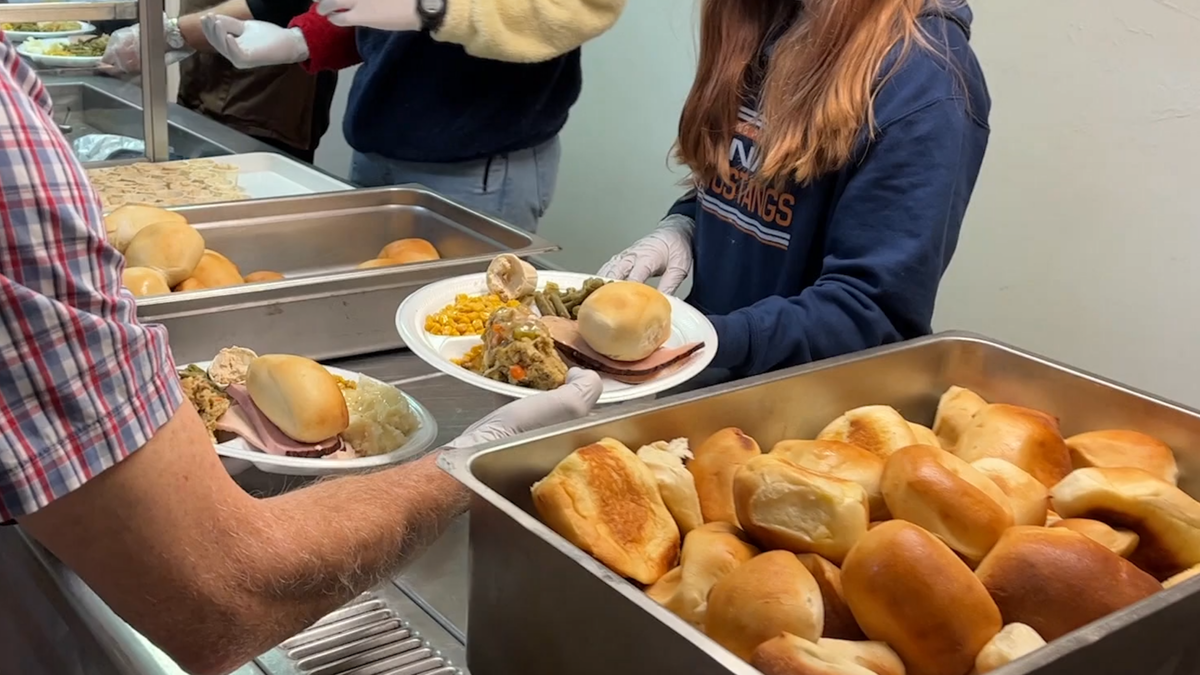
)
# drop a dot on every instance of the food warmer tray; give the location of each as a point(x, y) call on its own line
point(539, 604)
point(325, 308)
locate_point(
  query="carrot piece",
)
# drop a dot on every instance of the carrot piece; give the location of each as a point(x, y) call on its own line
point(517, 372)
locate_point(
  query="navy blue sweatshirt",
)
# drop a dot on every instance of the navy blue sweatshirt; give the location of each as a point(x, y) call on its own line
point(853, 259)
point(419, 100)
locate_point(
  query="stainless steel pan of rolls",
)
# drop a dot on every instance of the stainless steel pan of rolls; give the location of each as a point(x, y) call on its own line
point(949, 506)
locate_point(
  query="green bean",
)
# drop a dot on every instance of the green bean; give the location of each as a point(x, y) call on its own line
point(559, 309)
point(543, 305)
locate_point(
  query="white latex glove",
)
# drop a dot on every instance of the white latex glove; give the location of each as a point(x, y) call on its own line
point(570, 401)
point(253, 44)
point(666, 252)
point(124, 51)
point(397, 15)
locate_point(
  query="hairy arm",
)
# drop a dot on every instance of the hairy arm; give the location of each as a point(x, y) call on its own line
point(216, 577)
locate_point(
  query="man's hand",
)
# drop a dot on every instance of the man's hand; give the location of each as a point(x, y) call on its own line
point(570, 401)
point(124, 52)
point(254, 44)
point(396, 15)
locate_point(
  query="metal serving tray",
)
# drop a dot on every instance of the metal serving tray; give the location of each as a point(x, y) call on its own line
point(540, 605)
point(325, 308)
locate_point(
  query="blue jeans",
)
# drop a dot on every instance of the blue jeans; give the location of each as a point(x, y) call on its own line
point(516, 187)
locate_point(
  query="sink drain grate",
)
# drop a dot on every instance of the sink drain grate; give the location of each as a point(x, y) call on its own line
point(364, 638)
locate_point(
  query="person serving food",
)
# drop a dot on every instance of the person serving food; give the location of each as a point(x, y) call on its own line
point(833, 146)
point(104, 464)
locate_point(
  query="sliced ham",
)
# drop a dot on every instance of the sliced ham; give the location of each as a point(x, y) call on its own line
point(247, 421)
point(572, 346)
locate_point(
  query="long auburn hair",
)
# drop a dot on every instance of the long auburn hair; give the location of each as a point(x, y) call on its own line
point(816, 94)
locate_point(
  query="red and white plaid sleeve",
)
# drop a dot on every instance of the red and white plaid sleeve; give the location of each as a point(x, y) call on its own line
point(82, 383)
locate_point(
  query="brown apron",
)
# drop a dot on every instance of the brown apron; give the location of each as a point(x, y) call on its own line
point(273, 102)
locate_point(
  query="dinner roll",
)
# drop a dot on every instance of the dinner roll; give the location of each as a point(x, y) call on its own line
point(299, 396)
point(1028, 498)
point(1027, 438)
point(625, 320)
point(188, 284)
point(143, 281)
point(771, 594)
point(840, 460)
point(875, 428)
point(1115, 449)
point(791, 655)
point(709, 553)
point(839, 621)
point(215, 270)
point(123, 224)
point(1182, 577)
point(715, 462)
point(1052, 517)
point(908, 589)
point(1165, 518)
point(675, 482)
point(409, 250)
point(955, 410)
point(171, 247)
point(948, 497)
point(1121, 542)
point(1056, 580)
point(578, 500)
point(1011, 643)
point(262, 275)
point(924, 435)
point(378, 262)
point(782, 506)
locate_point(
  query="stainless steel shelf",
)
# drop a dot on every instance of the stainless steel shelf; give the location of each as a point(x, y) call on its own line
point(64, 11)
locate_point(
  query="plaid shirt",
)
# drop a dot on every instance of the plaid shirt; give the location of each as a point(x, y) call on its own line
point(82, 383)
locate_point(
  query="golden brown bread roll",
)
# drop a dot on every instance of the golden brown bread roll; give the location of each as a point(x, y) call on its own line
point(782, 506)
point(840, 460)
point(298, 395)
point(1027, 438)
point(171, 247)
point(1115, 449)
point(1052, 517)
point(709, 553)
point(1182, 577)
point(1121, 542)
point(948, 497)
point(143, 281)
point(908, 589)
point(123, 224)
point(215, 270)
point(715, 462)
point(263, 275)
point(771, 594)
point(188, 284)
point(1056, 580)
point(924, 435)
point(409, 250)
point(791, 655)
point(955, 410)
point(675, 482)
point(378, 262)
point(1029, 499)
point(639, 540)
point(1165, 518)
point(875, 428)
point(839, 621)
point(1011, 643)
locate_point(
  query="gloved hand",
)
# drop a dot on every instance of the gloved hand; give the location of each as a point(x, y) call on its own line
point(570, 401)
point(253, 44)
point(666, 252)
point(397, 15)
point(124, 51)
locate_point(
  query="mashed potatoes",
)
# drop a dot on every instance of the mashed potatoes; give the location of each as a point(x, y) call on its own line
point(380, 418)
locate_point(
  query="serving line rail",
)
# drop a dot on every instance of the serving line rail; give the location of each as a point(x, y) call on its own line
point(413, 625)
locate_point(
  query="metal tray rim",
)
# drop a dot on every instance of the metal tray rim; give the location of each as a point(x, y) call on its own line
point(459, 462)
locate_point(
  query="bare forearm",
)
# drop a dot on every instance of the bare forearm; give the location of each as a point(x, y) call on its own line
point(189, 24)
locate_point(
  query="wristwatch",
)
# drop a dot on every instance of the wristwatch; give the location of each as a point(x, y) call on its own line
point(432, 13)
point(175, 39)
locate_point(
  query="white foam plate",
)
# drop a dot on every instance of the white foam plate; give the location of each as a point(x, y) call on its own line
point(19, 36)
point(238, 455)
point(32, 49)
point(687, 325)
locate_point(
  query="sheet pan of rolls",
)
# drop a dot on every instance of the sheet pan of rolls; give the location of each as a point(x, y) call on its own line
point(882, 545)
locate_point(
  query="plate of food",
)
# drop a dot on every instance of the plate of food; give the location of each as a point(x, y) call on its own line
point(19, 32)
point(81, 51)
point(290, 415)
point(515, 331)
